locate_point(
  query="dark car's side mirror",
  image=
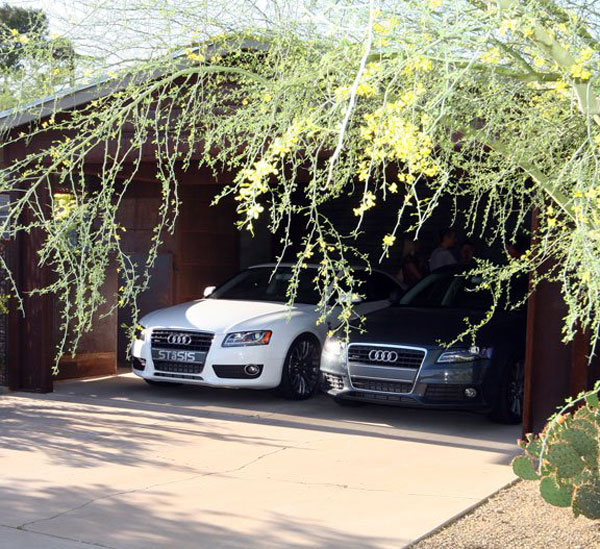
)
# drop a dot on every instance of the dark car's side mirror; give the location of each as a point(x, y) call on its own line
point(209, 290)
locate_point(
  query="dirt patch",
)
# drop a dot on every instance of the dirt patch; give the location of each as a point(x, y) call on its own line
point(517, 517)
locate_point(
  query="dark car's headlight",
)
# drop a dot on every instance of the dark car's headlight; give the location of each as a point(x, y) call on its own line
point(241, 339)
point(140, 332)
point(334, 347)
point(464, 355)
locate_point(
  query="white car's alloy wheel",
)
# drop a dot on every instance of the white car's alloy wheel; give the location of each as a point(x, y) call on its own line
point(300, 376)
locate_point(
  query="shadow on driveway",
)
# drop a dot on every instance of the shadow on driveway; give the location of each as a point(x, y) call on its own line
point(126, 523)
point(127, 396)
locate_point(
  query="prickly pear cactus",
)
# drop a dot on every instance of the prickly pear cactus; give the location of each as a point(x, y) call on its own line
point(565, 456)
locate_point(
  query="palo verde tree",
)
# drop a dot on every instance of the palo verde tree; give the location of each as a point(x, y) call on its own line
point(386, 100)
point(33, 63)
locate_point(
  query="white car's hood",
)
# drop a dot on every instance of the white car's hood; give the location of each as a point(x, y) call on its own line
point(221, 315)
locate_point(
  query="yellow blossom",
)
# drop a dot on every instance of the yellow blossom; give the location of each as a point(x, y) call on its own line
point(579, 71)
point(527, 32)
point(367, 203)
point(388, 240)
point(507, 25)
point(492, 56)
point(417, 64)
point(255, 210)
point(365, 89)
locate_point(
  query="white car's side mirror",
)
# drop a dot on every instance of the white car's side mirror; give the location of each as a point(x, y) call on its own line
point(209, 290)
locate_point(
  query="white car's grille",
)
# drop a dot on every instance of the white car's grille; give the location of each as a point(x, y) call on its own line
point(182, 340)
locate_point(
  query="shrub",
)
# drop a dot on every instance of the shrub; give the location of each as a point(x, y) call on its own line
point(564, 457)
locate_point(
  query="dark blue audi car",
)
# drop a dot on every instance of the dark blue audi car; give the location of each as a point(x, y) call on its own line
point(402, 357)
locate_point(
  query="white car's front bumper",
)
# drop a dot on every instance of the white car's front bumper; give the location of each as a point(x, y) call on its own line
point(220, 364)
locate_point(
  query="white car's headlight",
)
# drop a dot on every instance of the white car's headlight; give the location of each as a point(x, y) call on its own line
point(464, 355)
point(334, 347)
point(241, 339)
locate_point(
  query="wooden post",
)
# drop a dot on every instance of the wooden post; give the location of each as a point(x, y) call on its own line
point(580, 365)
point(35, 350)
point(553, 370)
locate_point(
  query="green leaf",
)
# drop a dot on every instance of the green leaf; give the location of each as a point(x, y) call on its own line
point(559, 496)
point(523, 468)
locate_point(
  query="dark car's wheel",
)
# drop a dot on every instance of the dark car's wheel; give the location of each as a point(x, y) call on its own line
point(509, 404)
point(161, 383)
point(301, 369)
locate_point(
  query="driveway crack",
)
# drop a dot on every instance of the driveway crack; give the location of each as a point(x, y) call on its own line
point(26, 526)
point(55, 536)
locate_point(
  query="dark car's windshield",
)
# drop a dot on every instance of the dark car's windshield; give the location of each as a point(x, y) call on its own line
point(448, 289)
point(261, 284)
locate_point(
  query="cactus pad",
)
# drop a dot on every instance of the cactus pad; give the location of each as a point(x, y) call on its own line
point(586, 500)
point(559, 496)
point(565, 460)
point(524, 469)
point(582, 442)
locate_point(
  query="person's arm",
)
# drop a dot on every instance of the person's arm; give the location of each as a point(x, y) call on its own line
point(446, 258)
point(412, 274)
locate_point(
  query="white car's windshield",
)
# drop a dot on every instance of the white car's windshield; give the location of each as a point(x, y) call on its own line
point(261, 284)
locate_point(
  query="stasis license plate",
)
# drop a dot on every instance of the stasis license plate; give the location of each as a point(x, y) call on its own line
point(169, 355)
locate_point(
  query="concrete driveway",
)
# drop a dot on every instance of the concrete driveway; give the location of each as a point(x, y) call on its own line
point(115, 463)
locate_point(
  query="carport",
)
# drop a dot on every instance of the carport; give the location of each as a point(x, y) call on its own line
point(205, 250)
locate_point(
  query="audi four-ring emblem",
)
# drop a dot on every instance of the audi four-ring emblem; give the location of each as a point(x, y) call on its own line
point(179, 339)
point(383, 356)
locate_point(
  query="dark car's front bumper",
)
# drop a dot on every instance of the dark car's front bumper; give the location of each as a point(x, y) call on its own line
point(467, 385)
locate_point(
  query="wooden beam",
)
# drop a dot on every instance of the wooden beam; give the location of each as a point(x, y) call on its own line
point(35, 348)
point(529, 356)
point(580, 364)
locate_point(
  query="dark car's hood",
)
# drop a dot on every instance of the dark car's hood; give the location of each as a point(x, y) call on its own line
point(422, 327)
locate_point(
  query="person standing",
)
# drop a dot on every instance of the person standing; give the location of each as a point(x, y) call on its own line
point(443, 255)
point(466, 253)
point(411, 268)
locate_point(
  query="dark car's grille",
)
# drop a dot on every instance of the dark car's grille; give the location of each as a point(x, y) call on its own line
point(365, 384)
point(178, 367)
point(198, 341)
point(395, 357)
point(444, 392)
point(332, 381)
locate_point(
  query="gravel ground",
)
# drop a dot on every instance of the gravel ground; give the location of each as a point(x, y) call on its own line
point(517, 517)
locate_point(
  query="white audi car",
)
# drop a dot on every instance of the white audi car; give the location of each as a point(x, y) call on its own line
point(243, 334)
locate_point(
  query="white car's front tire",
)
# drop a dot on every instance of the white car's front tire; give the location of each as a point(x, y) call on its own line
point(301, 369)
